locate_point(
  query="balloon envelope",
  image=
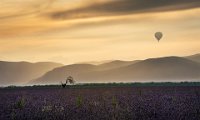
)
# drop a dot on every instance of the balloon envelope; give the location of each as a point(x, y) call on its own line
point(158, 36)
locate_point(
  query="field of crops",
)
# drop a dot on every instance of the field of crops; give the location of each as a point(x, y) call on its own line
point(103, 103)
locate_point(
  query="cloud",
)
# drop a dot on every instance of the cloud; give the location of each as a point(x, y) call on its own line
point(120, 7)
point(57, 15)
point(20, 8)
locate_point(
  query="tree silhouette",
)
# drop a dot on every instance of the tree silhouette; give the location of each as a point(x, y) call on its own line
point(70, 80)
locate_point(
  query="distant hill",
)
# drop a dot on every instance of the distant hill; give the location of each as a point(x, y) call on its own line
point(18, 73)
point(57, 75)
point(156, 69)
point(195, 57)
point(115, 64)
point(78, 70)
point(95, 62)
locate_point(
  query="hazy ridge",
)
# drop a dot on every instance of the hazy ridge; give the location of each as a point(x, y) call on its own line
point(163, 69)
point(18, 73)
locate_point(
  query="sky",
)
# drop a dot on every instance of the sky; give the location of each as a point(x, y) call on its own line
point(74, 31)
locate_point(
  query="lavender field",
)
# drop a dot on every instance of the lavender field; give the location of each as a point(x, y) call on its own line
point(103, 103)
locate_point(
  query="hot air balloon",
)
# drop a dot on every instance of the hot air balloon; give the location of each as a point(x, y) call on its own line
point(158, 36)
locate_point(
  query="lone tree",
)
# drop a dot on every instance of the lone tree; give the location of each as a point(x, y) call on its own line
point(70, 80)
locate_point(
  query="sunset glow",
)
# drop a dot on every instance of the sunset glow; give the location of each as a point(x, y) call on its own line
point(72, 31)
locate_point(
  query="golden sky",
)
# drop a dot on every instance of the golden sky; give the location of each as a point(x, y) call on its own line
point(71, 31)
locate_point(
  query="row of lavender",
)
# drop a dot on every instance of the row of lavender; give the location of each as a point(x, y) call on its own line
point(120, 103)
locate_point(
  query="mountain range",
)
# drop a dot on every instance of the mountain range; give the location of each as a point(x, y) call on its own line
point(19, 73)
point(164, 69)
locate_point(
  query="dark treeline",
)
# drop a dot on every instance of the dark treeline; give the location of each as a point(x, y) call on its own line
point(93, 85)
